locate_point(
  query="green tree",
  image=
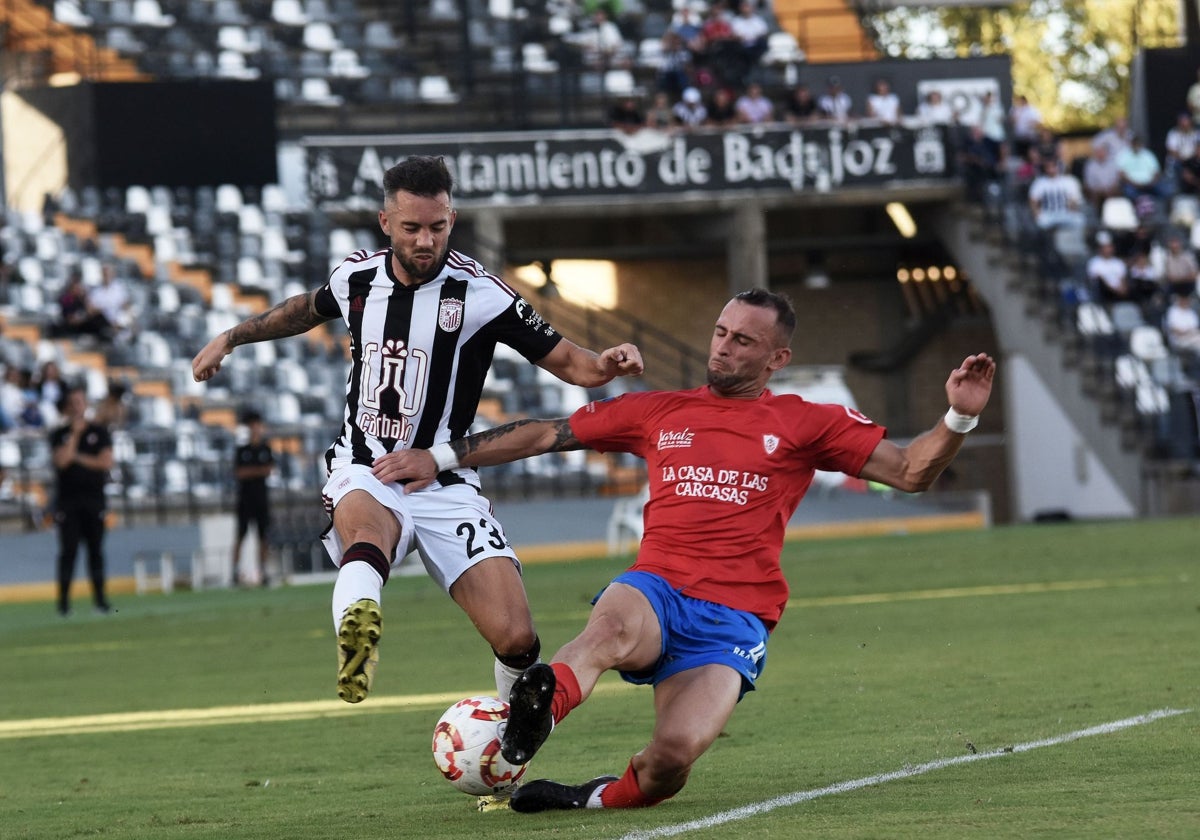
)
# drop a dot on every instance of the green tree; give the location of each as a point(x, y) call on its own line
point(1072, 58)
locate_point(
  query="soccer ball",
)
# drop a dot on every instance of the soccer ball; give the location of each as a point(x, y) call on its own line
point(466, 746)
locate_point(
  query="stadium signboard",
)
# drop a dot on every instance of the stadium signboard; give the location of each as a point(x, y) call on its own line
point(347, 172)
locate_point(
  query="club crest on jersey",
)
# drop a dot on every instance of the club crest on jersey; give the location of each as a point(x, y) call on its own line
point(450, 314)
point(855, 414)
point(770, 443)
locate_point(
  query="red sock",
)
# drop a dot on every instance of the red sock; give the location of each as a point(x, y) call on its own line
point(625, 793)
point(567, 694)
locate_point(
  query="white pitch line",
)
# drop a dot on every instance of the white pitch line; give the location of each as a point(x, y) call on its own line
point(747, 811)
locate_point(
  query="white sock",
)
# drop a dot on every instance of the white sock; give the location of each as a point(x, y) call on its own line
point(355, 581)
point(506, 675)
point(594, 799)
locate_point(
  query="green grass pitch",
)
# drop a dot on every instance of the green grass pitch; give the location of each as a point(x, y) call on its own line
point(213, 714)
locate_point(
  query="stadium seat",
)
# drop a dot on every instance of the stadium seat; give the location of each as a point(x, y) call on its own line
point(319, 36)
point(1146, 343)
point(436, 89)
point(288, 13)
point(650, 53)
point(1152, 399)
point(1118, 213)
point(232, 65)
point(782, 48)
point(149, 13)
point(1185, 210)
point(238, 39)
point(535, 59)
point(69, 13)
point(344, 63)
point(316, 91)
point(1126, 316)
point(378, 34)
point(619, 82)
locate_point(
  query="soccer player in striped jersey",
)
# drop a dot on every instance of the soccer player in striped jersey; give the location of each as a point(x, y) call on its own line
point(727, 464)
point(424, 321)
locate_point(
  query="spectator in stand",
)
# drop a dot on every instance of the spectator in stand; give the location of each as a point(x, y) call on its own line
point(77, 316)
point(991, 118)
point(799, 106)
point(1181, 144)
point(722, 53)
point(1056, 198)
point(1027, 169)
point(882, 103)
point(1025, 120)
point(750, 31)
point(1180, 270)
point(50, 390)
point(935, 110)
point(13, 397)
point(1108, 273)
point(1117, 137)
point(1145, 280)
point(674, 72)
point(688, 29)
point(690, 111)
point(1141, 175)
point(1048, 144)
point(722, 109)
point(602, 43)
point(1189, 173)
point(626, 115)
point(753, 106)
point(660, 116)
point(1182, 325)
point(979, 164)
point(1193, 99)
point(111, 299)
point(835, 103)
point(1101, 177)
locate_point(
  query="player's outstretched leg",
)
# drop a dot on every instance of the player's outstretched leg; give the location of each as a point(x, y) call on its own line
point(545, 795)
point(529, 713)
point(358, 649)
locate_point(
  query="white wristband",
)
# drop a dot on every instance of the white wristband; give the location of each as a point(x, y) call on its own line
point(444, 457)
point(960, 423)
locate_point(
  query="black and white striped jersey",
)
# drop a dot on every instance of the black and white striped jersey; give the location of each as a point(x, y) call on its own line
point(419, 354)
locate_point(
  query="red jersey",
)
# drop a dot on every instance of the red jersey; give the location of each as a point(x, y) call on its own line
point(725, 477)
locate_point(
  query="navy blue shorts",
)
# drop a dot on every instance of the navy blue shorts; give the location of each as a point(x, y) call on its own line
point(696, 633)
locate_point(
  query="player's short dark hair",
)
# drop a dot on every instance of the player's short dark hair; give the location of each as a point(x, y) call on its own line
point(785, 313)
point(251, 416)
point(423, 175)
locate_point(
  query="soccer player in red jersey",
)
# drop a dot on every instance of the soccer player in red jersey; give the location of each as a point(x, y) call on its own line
point(728, 463)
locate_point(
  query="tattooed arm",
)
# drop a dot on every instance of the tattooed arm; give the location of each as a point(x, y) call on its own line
point(293, 316)
point(510, 442)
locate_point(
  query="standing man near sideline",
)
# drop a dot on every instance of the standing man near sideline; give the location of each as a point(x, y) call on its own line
point(423, 321)
point(728, 463)
point(253, 463)
point(82, 454)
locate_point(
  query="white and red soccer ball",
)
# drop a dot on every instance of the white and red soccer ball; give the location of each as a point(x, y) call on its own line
point(466, 746)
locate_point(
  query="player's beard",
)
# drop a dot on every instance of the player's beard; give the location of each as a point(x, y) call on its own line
point(727, 381)
point(415, 272)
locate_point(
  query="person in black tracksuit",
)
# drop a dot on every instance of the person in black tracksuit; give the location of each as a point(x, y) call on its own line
point(253, 462)
point(82, 454)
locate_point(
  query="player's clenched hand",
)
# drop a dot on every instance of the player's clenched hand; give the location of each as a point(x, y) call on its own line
point(208, 360)
point(415, 467)
point(622, 360)
point(970, 385)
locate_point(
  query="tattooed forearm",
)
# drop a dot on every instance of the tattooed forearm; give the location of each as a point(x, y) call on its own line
point(519, 439)
point(293, 316)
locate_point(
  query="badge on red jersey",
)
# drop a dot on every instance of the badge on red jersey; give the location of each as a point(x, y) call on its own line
point(855, 414)
point(770, 443)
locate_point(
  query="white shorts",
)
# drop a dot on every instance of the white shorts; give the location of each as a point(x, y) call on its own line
point(452, 528)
